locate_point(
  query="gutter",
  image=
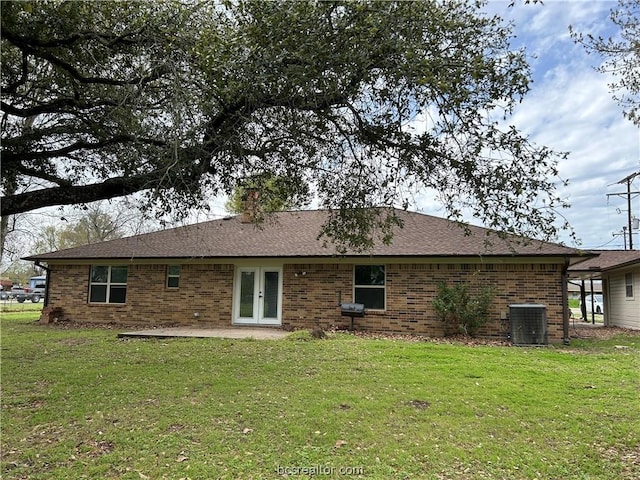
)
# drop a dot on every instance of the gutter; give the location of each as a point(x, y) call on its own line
point(46, 289)
point(566, 311)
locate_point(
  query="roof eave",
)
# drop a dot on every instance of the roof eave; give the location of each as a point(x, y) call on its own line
point(469, 256)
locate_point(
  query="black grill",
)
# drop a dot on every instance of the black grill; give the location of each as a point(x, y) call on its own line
point(352, 310)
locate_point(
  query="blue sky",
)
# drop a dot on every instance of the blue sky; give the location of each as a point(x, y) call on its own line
point(570, 108)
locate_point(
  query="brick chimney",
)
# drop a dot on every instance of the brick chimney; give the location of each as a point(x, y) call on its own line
point(251, 205)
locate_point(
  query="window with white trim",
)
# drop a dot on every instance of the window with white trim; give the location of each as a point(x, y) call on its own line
point(173, 276)
point(108, 284)
point(628, 285)
point(370, 286)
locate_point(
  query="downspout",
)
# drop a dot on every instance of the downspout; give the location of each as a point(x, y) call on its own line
point(46, 288)
point(566, 312)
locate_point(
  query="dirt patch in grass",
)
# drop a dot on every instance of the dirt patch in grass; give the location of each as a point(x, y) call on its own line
point(72, 342)
point(453, 339)
point(419, 404)
point(602, 333)
point(65, 325)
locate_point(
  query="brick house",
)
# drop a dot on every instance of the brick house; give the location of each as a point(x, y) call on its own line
point(229, 272)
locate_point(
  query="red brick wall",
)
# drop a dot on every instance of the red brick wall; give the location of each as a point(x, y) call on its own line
point(204, 290)
point(312, 300)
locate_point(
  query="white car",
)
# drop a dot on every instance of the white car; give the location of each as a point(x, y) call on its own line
point(598, 303)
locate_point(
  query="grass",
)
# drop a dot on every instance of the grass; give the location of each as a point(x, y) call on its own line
point(7, 306)
point(80, 403)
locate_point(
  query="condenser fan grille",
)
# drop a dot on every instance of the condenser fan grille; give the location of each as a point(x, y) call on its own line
point(528, 324)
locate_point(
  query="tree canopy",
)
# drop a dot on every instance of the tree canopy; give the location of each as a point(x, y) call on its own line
point(621, 56)
point(95, 225)
point(364, 103)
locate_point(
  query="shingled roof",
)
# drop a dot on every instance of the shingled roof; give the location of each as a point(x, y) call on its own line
point(295, 234)
point(606, 260)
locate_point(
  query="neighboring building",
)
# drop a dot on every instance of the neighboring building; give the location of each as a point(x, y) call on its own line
point(619, 271)
point(590, 287)
point(228, 272)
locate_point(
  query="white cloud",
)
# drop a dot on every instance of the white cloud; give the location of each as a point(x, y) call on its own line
point(570, 109)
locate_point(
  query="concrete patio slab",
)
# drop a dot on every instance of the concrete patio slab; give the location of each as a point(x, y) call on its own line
point(232, 332)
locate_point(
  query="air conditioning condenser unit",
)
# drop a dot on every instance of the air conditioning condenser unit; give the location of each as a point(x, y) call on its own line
point(528, 323)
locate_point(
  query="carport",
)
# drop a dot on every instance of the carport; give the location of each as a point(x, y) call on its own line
point(584, 277)
point(619, 271)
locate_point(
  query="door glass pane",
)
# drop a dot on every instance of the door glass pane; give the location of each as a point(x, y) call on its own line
point(271, 294)
point(247, 281)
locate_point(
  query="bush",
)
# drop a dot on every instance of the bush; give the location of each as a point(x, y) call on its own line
point(460, 310)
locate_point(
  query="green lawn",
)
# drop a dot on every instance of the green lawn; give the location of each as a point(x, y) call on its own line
point(80, 403)
point(13, 306)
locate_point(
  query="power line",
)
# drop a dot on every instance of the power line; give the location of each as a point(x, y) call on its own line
point(628, 194)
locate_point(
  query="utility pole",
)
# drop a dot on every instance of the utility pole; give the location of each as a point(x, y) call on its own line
point(627, 194)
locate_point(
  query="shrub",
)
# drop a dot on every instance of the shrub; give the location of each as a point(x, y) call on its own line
point(460, 309)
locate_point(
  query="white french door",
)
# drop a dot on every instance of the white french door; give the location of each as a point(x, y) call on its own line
point(258, 296)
